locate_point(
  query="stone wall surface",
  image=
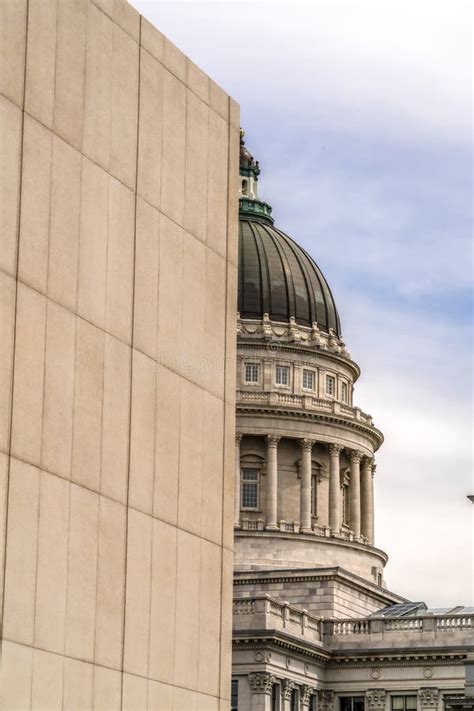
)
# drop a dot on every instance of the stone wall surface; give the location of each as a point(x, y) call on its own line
point(117, 395)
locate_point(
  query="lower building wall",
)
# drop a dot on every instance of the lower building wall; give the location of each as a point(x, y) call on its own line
point(276, 551)
point(117, 395)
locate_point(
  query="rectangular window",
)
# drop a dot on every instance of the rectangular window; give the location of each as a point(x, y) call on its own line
point(344, 392)
point(308, 380)
point(294, 700)
point(345, 506)
point(314, 495)
point(351, 703)
point(312, 703)
point(234, 695)
point(276, 697)
point(250, 489)
point(330, 385)
point(282, 375)
point(251, 372)
point(404, 703)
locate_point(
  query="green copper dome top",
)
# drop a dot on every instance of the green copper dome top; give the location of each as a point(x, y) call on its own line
point(276, 276)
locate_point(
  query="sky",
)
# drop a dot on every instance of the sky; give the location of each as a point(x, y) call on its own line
point(359, 112)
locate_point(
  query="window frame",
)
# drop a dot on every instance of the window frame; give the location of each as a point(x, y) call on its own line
point(307, 371)
point(330, 379)
point(404, 697)
point(282, 368)
point(252, 364)
point(234, 696)
point(314, 494)
point(351, 699)
point(345, 384)
point(256, 481)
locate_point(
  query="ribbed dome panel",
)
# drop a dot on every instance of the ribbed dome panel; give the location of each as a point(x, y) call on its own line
point(277, 276)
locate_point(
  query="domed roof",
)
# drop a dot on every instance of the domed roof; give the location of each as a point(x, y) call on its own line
point(277, 277)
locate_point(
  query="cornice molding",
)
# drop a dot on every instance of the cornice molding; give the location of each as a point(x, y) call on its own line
point(374, 435)
point(338, 659)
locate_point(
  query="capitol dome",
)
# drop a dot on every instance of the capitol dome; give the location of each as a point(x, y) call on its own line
point(304, 450)
point(277, 277)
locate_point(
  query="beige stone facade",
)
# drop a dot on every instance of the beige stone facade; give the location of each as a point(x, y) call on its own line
point(117, 401)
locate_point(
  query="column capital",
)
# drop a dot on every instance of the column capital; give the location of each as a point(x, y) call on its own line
point(428, 696)
point(355, 455)
point(375, 699)
point(261, 683)
point(272, 440)
point(325, 699)
point(238, 438)
point(288, 687)
point(306, 693)
point(368, 462)
point(335, 449)
point(306, 443)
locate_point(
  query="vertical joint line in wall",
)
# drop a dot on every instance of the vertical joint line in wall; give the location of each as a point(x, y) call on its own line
point(225, 399)
point(15, 308)
point(131, 367)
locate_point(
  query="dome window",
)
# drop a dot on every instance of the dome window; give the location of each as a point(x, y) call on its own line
point(252, 372)
point(344, 392)
point(250, 492)
point(282, 375)
point(308, 379)
point(245, 187)
point(330, 385)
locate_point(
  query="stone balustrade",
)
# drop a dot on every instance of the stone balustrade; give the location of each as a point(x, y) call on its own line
point(267, 613)
point(304, 402)
point(264, 612)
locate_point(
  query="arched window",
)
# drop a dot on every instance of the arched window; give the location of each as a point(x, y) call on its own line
point(245, 187)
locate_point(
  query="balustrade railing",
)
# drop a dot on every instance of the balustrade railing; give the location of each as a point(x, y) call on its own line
point(282, 614)
point(456, 622)
point(306, 402)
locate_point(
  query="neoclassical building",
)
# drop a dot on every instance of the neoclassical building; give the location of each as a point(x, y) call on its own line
point(314, 624)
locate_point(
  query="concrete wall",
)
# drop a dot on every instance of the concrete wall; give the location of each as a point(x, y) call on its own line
point(118, 298)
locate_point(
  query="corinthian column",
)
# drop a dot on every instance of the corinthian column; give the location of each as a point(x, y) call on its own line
point(272, 482)
point(367, 499)
point(354, 501)
point(334, 488)
point(238, 439)
point(305, 486)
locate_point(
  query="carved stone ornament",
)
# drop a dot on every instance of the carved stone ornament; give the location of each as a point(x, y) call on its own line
point(325, 700)
point(306, 443)
point(306, 694)
point(355, 455)
point(261, 683)
point(428, 697)
point(375, 698)
point(272, 440)
point(335, 449)
point(288, 687)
